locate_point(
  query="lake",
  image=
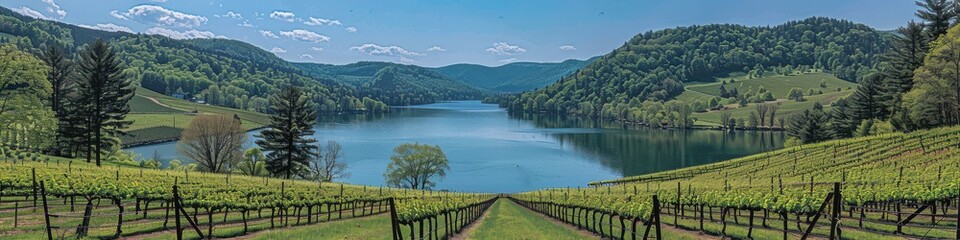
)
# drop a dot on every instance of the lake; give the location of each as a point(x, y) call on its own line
point(491, 150)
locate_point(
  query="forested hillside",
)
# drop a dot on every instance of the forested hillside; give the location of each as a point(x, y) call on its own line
point(220, 71)
point(513, 77)
point(655, 65)
point(396, 84)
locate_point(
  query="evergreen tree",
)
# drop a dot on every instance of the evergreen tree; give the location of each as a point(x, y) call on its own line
point(104, 92)
point(287, 138)
point(867, 100)
point(937, 14)
point(842, 121)
point(909, 47)
point(60, 70)
point(809, 126)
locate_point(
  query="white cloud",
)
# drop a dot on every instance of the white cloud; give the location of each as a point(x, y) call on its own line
point(109, 27)
point(374, 49)
point(268, 34)
point(304, 35)
point(245, 24)
point(117, 15)
point(230, 14)
point(277, 50)
point(567, 48)
point(189, 34)
point(508, 60)
point(351, 29)
point(30, 13)
point(317, 49)
point(55, 9)
point(436, 49)
point(283, 16)
point(160, 16)
point(312, 21)
point(306, 56)
point(406, 60)
point(502, 48)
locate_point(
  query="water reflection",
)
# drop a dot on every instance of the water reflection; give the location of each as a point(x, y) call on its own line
point(493, 151)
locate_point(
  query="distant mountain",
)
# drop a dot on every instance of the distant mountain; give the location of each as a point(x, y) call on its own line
point(513, 77)
point(223, 72)
point(396, 84)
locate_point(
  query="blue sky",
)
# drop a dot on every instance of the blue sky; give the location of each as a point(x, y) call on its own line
point(437, 33)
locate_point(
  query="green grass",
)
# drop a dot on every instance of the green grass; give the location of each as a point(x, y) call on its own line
point(786, 108)
point(778, 85)
point(141, 104)
point(372, 227)
point(507, 220)
point(166, 117)
point(246, 116)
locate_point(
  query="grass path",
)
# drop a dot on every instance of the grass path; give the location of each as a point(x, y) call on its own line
point(507, 220)
point(370, 227)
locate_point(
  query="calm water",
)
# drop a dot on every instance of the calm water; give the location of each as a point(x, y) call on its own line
point(492, 151)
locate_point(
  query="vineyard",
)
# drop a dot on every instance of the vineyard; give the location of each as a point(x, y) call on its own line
point(42, 196)
point(887, 186)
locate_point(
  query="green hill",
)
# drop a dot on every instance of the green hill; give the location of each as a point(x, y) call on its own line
point(396, 84)
point(222, 72)
point(513, 77)
point(656, 65)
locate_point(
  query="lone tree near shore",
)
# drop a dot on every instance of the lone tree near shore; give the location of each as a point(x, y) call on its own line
point(414, 165)
point(215, 142)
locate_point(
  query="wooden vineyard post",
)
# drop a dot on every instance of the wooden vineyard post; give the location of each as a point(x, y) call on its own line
point(46, 211)
point(656, 214)
point(176, 212)
point(835, 214)
point(394, 225)
point(33, 175)
point(676, 208)
point(958, 214)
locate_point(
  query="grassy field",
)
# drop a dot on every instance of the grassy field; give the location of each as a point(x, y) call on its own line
point(247, 116)
point(507, 220)
point(786, 107)
point(156, 116)
point(778, 85)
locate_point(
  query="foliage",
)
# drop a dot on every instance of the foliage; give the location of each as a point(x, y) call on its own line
point(329, 164)
point(214, 142)
point(414, 165)
point(809, 126)
point(655, 65)
point(287, 138)
point(934, 99)
point(102, 95)
point(254, 163)
point(221, 71)
point(25, 118)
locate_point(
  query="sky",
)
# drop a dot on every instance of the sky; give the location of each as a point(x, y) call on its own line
point(439, 33)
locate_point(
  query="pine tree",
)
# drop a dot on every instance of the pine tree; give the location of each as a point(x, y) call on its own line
point(867, 100)
point(809, 126)
point(910, 44)
point(60, 69)
point(842, 122)
point(937, 14)
point(287, 137)
point(104, 92)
